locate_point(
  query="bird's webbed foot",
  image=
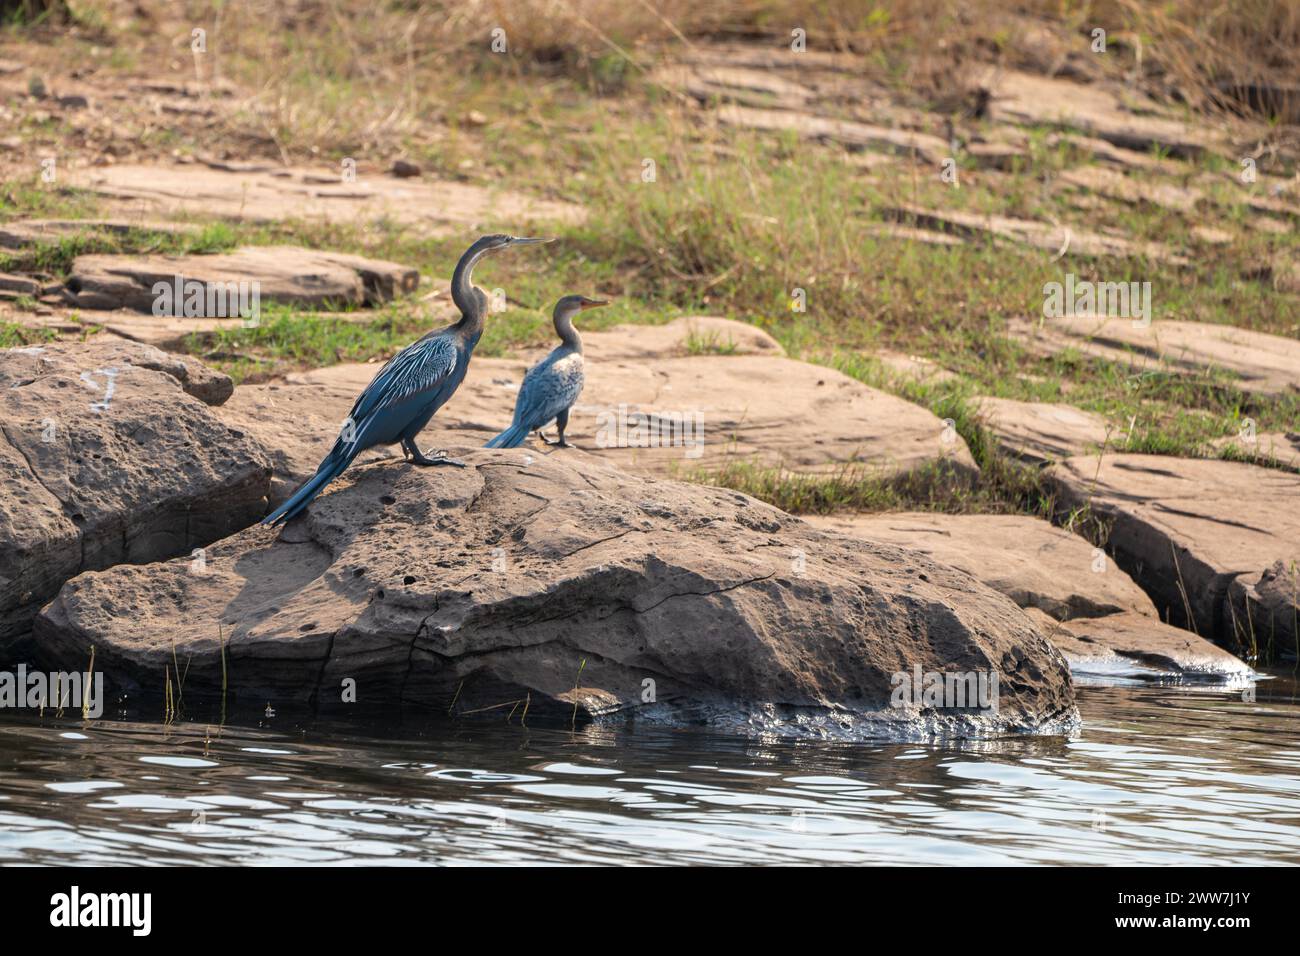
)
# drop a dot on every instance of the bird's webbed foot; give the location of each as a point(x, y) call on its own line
point(437, 458)
point(417, 457)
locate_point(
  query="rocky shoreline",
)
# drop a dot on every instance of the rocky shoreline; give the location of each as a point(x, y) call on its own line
point(533, 584)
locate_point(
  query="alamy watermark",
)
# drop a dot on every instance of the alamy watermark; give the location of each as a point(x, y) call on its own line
point(195, 299)
point(74, 909)
point(945, 690)
point(620, 428)
point(55, 690)
point(1084, 298)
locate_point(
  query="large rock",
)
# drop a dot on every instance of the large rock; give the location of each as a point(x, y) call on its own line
point(106, 456)
point(1031, 561)
point(206, 384)
point(1268, 364)
point(284, 274)
point(561, 586)
point(664, 411)
point(268, 193)
point(1215, 543)
point(1090, 609)
point(1139, 647)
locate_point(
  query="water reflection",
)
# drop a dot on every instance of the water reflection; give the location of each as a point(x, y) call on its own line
point(1157, 775)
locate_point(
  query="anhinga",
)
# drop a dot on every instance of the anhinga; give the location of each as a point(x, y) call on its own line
point(415, 383)
point(552, 385)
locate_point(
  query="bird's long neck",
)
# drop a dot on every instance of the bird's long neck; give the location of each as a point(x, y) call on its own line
point(564, 329)
point(463, 294)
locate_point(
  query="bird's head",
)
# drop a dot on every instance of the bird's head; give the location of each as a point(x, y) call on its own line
point(501, 241)
point(571, 305)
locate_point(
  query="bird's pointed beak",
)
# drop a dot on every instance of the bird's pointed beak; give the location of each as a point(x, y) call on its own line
point(526, 241)
point(594, 303)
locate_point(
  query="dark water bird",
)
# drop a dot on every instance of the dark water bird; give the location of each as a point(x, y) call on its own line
point(552, 385)
point(415, 383)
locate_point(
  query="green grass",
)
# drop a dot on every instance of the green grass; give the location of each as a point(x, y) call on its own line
point(14, 335)
point(709, 343)
point(56, 256)
point(733, 224)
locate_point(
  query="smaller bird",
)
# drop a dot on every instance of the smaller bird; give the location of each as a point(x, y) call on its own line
point(552, 385)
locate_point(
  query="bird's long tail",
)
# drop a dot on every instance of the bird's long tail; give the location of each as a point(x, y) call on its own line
point(339, 458)
point(512, 437)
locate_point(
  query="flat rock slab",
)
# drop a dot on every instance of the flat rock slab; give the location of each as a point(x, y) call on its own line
point(30, 233)
point(738, 84)
point(1215, 543)
point(109, 454)
point(1041, 431)
point(1136, 646)
point(677, 414)
point(1132, 159)
point(1115, 185)
point(1030, 560)
point(269, 194)
point(1117, 116)
point(1268, 364)
point(19, 285)
point(563, 586)
point(848, 133)
point(283, 274)
point(1039, 235)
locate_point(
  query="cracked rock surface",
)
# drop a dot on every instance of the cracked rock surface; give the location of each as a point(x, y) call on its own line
point(559, 584)
point(1215, 543)
point(109, 453)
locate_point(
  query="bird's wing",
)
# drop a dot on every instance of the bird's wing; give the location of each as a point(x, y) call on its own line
point(548, 389)
point(422, 366)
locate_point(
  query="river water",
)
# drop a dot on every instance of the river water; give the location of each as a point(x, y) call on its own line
point(1156, 775)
